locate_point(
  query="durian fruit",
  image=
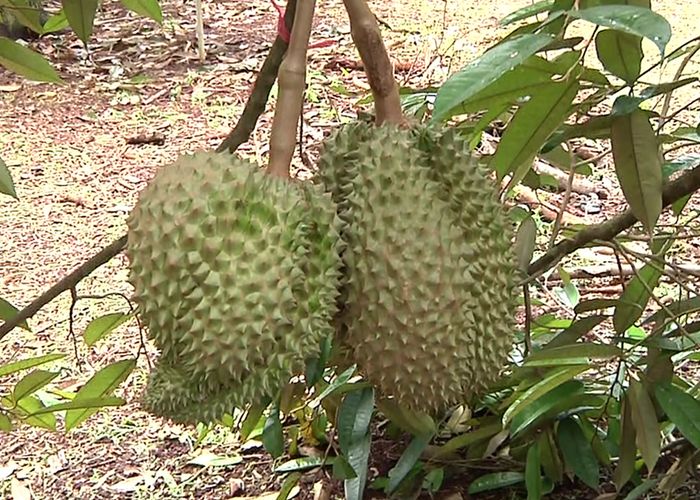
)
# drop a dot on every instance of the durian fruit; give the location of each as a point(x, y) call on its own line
point(428, 298)
point(235, 272)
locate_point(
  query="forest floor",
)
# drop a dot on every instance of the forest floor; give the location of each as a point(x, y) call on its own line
point(78, 166)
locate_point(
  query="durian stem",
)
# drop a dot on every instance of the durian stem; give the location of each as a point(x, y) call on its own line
point(380, 74)
point(292, 83)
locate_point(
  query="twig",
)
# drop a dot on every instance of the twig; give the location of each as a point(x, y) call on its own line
point(65, 283)
point(684, 185)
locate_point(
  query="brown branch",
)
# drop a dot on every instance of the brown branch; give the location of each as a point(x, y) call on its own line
point(66, 283)
point(292, 83)
point(261, 89)
point(368, 40)
point(684, 185)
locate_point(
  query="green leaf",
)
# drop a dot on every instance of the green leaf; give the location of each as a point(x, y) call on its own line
point(289, 485)
point(5, 423)
point(554, 379)
point(82, 404)
point(525, 241)
point(630, 19)
point(641, 490)
point(594, 305)
point(31, 405)
point(25, 364)
point(81, 16)
point(26, 13)
point(485, 70)
point(533, 479)
point(415, 422)
point(564, 395)
point(530, 127)
point(525, 12)
point(26, 62)
point(495, 481)
point(549, 456)
point(677, 308)
point(682, 409)
point(577, 452)
point(620, 53)
point(574, 332)
point(98, 328)
point(339, 382)
point(342, 469)
point(666, 88)
point(467, 439)
point(354, 416)
point(648, 432)
point(408, 459)
point(147, 8)
point(638, 165)
point(628, 448)
point(303, 464)
point(101, 384)
point(273, 437)
point(7, 310)
point(31, 383)
point(573, 354)
point(634, 299)
point(255, 413)
point(358, 458)
point(6, 187)
point(316, 365)
point(57, 22)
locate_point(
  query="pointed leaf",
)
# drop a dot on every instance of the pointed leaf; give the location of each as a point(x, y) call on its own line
point(577, 452)
point(289, 486)
point(303, 464)
point(57, 22)
point(354, 416)
point(5, 423)
point(98, 328)
point(26, 62)
point(594, 305)
point(525, 241)
point(574, 332)
point(533, 479)
point(7, 310)
point(339, 382)
point(25, 364)
point(549, 456)
point(82, 404)
point(631, 19)
point(81, 16)
point(495, 481)
point(620, 53)
point(551, 381)
point(682, 409)
point(342, 469)
point(408, 459)
point(147, 8)
point(677, 308)
point(628, 448)
point(273, 437)
point(255, 413)
point(464, 440)
point(639, 492)
point(635, 298)
point(101, 384)
point(358, 458)
point(648, 431)
point(32, 382)
point(530, 127)
point(26, 13)
point(485, 70)
point(573, 354)
point(6, 187)
point(525, 12)
point(564, 396)
point(638, 166)
point(29, 406)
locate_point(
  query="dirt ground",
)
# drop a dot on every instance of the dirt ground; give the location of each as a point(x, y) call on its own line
point(74, 154)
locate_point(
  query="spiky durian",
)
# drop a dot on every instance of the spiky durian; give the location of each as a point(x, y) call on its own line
point(428, 299)
point(235, 272)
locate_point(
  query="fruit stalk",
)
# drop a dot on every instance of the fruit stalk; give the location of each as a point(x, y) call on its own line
point(292, 83)
point(368, 40)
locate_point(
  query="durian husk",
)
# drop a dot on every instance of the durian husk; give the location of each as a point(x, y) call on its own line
point(428, 299)
point(235, 274)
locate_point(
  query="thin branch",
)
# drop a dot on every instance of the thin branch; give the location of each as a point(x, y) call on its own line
point(684, 185)
point(66, 283)
point(261, 89)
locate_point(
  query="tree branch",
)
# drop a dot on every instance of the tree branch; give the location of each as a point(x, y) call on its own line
point(255, 106)
point(684, 185)
point(66, 283)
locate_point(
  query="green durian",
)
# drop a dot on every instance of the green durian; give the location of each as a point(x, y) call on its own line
point(428, 298)
point(235, 271)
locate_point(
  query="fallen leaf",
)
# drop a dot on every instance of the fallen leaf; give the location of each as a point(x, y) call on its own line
point(19, 491)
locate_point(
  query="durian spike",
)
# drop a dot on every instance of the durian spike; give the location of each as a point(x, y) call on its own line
point(292, 83)
point(368, 40)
